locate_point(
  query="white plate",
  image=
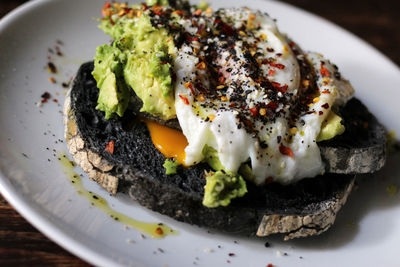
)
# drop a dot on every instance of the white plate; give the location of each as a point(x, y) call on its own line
point(366, 232)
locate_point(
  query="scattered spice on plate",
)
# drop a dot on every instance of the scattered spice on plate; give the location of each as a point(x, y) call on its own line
point(51, 67)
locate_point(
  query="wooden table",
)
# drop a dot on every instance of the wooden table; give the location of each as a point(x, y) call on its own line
point(376, 21)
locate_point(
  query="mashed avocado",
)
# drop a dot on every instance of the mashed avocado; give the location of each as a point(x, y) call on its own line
point(221, 188)
point(140, 58)
point(331, 127)
point(211, 157)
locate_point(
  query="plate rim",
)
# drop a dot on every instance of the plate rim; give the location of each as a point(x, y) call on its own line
point(49, 229)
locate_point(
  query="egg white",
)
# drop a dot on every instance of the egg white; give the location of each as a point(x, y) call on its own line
point(236, 146)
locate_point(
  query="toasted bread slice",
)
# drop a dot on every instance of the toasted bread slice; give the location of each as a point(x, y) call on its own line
point(308, 207)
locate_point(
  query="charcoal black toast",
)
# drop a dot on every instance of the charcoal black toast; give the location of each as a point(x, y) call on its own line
point(308, 207)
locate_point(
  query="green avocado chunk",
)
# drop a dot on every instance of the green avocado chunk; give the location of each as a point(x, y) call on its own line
point(331, 127)
point(211, 157)
point(113, 92)
point(157, 2)
point(221, 187)
point(140, 58)
point(170, 166)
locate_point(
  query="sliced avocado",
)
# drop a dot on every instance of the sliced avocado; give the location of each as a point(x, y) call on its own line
point(148, 67)
point(143, 55)
point(161, 69)
point(113, 92)
point(331, 127)
point(221, 187)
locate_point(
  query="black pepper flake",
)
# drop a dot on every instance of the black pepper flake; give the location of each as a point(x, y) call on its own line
point(45, 95)
point(263, 144)
point(51, 67)
point(267, 244)
point(278, 139)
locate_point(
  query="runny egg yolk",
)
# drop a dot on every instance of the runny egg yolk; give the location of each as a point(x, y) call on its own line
point(170, 142)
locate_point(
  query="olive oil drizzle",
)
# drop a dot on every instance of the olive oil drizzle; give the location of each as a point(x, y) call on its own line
point(154, 230)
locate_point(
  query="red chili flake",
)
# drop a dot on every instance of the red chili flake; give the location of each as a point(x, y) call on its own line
point(324, 71)
point(277, 65)
point(254, 111)
point(292, 44)
point(159, 231)
point(106, 6)
point(184, 99)
point(271, 72)
point(221, 80)
point(232, 105)
point(231, 254)
point(198, 12)
point(158, 12)
point(190, 85)
point(279, 87)
point(110, 147)
point(325, 106)
point(320, 113)
point(278, 54)
point(179, 12)
point(286, 151)
point(44, 100)
point(326, 91)
point(270, 265)
point(55, 100)
point(272, 105)
point(191, 38)
point(228, 30)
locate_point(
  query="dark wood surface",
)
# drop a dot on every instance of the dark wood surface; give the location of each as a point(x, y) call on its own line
point(375, 21)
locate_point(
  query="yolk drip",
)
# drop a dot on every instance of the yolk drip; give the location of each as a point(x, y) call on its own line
point(170, 142)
